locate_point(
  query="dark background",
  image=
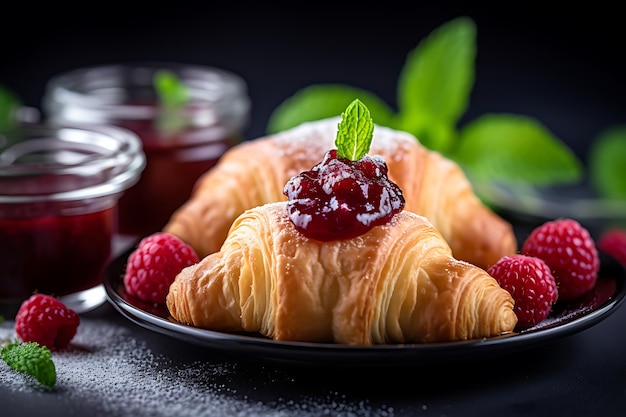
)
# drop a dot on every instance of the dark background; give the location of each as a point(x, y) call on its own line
point(562, 66)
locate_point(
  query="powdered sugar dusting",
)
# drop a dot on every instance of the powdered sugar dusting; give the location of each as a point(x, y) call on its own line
point(319, 137)
point(113, 372)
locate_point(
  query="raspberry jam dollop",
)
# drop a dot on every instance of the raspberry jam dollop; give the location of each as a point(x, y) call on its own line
point(341, 199)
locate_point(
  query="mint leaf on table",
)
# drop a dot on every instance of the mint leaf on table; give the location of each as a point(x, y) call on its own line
point(435, 83)
point(515, 149)
point(32, 359)
point(322, 101)
point(607, 163)
point(9, 105)
point(355, 133)
point(171, 90)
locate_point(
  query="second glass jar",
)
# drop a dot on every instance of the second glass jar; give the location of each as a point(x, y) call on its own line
point(181, 143)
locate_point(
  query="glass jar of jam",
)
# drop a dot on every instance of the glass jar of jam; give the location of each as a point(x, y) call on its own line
point(180, 143)
point(59, 192)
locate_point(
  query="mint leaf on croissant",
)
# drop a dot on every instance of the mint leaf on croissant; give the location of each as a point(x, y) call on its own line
point(356, 130)
point(322, 101)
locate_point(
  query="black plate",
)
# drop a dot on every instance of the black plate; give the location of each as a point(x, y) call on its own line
point(563, 321)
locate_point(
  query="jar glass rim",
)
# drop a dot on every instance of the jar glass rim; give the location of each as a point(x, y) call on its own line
point(104, 88)
point(67, 162)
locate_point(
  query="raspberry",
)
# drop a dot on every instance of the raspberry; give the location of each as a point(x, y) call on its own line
point(46, 320)
point(569, 251)
point(153, 265)
point(530, 283)
point(613, 243)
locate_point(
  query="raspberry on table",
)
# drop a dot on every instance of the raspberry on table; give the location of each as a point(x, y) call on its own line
point(46, 320)
point(613, 243)
point(153, 265)
point(570, 252)
point(530, 283)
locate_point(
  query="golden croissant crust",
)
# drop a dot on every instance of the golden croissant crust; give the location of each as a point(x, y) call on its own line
point(397, 283)
point(254, 173)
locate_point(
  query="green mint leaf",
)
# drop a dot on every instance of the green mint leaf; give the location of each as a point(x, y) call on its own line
point(435, 83)
point(355, 133)
point(171, 90)
point(323, 101)
point(9, 104)
point(607, 170)
point(32, 359)
point(515, 149)
point(434, 89)
point(173, 95)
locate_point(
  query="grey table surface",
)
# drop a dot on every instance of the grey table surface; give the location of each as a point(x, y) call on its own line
point(116, 367)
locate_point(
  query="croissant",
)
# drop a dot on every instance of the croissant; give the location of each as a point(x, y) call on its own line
point(254, 173)
point(397, 283)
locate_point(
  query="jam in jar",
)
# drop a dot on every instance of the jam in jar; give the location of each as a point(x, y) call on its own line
point(180, 142)
point(60, 187)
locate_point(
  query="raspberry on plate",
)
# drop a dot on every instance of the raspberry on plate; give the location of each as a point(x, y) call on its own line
point(153, 265)
point(46, 320)
point(613, 243)
point(530, 283)
point(569, 251)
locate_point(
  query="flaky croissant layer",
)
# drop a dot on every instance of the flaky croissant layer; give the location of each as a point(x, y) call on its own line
point(398, 283)
point(254, 173)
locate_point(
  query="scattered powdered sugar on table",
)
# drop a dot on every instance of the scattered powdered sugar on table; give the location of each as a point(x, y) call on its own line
point(113, 372)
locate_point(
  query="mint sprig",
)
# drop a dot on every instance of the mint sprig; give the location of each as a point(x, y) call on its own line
point(173, 96)
point(434, 88)
point(513, 141)
point(32, 359)
point(171, 90)
point(607, 171)
point(355, 132)
point(9, 105)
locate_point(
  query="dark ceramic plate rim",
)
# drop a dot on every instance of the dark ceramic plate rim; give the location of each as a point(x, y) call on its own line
point(305, 353)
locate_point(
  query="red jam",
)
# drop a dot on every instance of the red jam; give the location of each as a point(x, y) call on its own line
point(60, 186)
point(53, 254)
point(341, 199)
point(181, 141)
point(174, 163)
